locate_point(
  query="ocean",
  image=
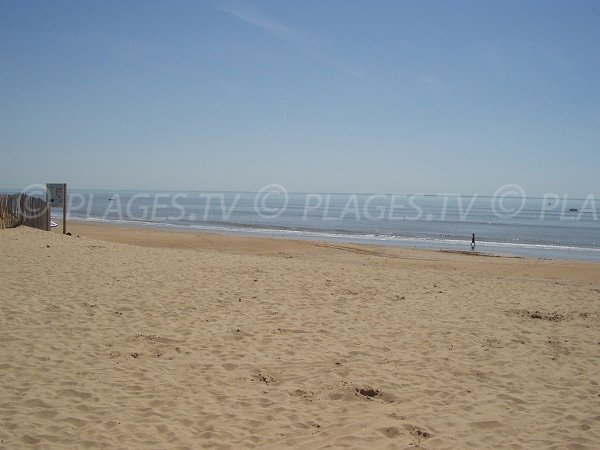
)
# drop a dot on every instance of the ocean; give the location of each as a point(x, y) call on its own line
point(553, 226)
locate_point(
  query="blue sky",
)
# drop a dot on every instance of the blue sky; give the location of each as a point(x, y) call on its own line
point(319, 96)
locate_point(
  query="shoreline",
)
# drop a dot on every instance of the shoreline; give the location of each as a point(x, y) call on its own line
point(530, 251)
point(176, 239)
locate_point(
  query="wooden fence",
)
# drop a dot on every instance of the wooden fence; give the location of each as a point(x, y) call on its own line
point(22, 209)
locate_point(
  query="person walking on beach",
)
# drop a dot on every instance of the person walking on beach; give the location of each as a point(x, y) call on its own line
point(473, 242)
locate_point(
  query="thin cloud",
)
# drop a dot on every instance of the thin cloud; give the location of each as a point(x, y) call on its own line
point(306, 46)
point(257, 19)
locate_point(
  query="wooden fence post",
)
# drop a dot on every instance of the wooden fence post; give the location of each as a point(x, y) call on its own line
point(21, 209)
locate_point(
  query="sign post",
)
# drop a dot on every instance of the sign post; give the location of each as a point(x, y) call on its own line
point(56, 196)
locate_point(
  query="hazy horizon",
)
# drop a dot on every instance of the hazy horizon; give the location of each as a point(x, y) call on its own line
point(319, 96)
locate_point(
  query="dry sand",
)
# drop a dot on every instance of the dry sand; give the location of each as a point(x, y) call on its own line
point(135, 338)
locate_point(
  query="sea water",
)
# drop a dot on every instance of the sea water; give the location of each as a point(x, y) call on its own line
point(547, 227)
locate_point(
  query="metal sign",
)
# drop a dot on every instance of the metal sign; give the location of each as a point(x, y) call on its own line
point(56, 194)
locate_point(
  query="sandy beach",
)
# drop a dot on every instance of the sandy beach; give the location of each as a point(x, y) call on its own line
point(121, 337)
